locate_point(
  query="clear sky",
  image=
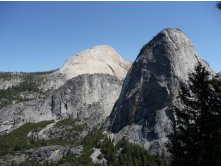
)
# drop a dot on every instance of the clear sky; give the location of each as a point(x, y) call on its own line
point(38, 36)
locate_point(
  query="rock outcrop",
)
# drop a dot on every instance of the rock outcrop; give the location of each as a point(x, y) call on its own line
point(86, 97)
point(89, 98)
point(58, 130)
point(16, 115)
point(94, 156)
point(99, 59)
point(52, 154)
point(143, 112)
point(46, 155)
point(49, 154)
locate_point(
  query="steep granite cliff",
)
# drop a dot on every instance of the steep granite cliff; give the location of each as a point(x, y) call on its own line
point(143, 112)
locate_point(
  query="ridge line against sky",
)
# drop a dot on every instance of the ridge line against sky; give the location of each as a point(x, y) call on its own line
point(40, 36)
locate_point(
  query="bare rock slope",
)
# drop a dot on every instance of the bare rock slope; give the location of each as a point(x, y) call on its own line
point(143, 111)
point(99, 59)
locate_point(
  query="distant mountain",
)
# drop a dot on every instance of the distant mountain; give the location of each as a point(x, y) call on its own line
point(32, 106)
point(100, 59)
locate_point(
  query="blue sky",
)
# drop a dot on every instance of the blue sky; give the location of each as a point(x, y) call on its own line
point(38, 36)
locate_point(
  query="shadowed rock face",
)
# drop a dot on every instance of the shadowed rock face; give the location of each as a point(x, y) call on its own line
point(143, 111)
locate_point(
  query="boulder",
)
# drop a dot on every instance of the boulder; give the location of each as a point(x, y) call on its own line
point(76, 151)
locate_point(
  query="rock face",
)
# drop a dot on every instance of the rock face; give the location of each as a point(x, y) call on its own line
point(100, 59)
point(89, 98)
point(15, 115)
point(143, 111)
point(86, 97)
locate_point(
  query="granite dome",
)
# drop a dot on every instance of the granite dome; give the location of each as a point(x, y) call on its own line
point(100, 59)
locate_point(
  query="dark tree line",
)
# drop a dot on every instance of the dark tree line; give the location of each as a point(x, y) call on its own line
point(218, 5)
point(197, 136)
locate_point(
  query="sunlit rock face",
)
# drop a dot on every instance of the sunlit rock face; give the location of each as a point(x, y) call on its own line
point(100, 59)
point(87, 97)
point(143, 111)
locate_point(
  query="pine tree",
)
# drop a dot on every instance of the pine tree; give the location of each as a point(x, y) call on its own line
point(197, 136)
point(218, 5)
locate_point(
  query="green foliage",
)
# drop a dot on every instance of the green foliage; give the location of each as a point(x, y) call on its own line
point(40, 143)
point(74, 131)
point(91, 140)
point(134, 155)
point(197, 136)
point(70, 122)
point(109, 151)
point(124, 153)
point(17, 139)
point(218, 5)
point(83, 160)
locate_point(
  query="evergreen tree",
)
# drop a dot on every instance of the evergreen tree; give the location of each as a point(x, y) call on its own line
point(218, 5)
point(197, 136)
